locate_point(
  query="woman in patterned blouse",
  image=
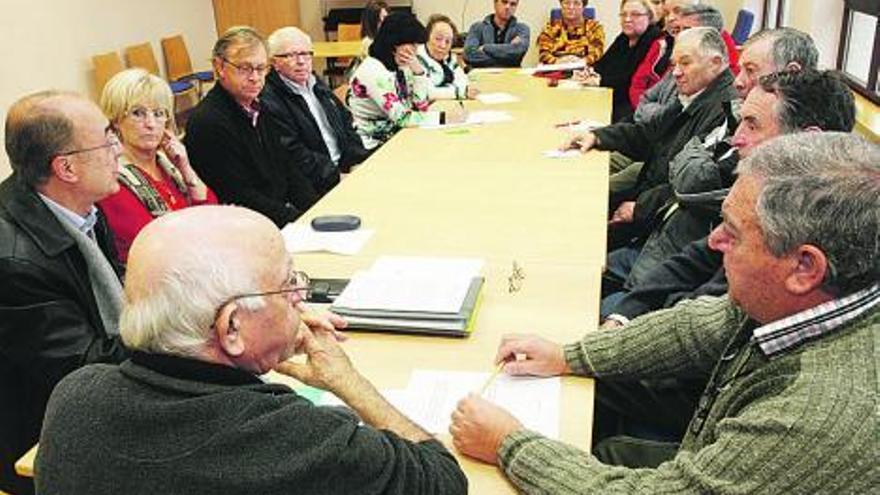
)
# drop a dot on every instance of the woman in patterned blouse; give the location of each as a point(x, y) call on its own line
point(389, 90)
point(447, 77)
point(572, 38)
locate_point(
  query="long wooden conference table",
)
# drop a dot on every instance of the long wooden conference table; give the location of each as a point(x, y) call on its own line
point(487, 192)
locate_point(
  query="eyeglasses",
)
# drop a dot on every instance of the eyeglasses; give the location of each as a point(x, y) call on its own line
point(247, 70)
point(112, 140)
point(632, 15)
point(297, 286)
point(140, 114)
point(295, 55)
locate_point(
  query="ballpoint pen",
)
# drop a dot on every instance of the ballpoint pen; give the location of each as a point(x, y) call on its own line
point(568, 124)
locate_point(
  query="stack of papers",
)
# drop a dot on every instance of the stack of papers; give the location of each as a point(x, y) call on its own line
point(431, 396)
point(413, 295)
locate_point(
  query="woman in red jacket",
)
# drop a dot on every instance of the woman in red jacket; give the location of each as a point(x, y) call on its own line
point(154, 168)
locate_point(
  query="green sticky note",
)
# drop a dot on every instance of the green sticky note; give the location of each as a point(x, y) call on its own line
point(311, 394)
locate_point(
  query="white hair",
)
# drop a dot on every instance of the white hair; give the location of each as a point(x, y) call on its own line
point(285, 34)
point(176, 314)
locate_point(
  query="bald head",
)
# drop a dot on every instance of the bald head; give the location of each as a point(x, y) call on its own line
point(178, 241)
point(38, 126)
point(185, 265)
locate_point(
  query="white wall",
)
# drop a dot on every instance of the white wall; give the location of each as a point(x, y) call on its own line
point(50, 42)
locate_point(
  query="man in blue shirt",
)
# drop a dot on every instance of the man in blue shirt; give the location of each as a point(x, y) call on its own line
point(499, 40)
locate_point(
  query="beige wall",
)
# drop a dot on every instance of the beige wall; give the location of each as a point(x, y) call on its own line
point(50, 42)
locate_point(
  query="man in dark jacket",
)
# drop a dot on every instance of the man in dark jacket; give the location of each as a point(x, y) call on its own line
point(316, 128)
point(206, 314)
point(60, 295)
point(236, 148)
point(705, 87)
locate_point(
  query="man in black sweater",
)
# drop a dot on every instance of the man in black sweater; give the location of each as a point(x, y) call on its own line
point(235, 148)
point(316, 127)
point(206, 314)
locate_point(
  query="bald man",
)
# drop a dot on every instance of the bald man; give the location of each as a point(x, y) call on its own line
point(206, 313)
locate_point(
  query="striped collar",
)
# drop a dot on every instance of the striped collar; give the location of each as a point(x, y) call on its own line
point(815, 322)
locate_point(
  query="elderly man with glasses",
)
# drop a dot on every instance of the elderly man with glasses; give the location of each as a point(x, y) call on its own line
point(316, 127)
point(60, 297)
point(234, 147)
point(206, 314)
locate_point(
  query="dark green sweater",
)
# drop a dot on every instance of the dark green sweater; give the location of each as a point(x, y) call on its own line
point(803, 421)
point(167, 425)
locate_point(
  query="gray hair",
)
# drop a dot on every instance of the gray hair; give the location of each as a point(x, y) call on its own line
point(177, 315)
point(285, 34)
point(789, 45)
point(710, 41)
point(707, 15)
point(237, 36)
point(811, 98)
point(36, 132)
point(822, 189)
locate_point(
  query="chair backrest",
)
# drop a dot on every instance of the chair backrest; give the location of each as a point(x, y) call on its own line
point(743, 27)
point(589, 13)
point(142, 56)
point(106, 65)
point(177, 62)
point(348, 32)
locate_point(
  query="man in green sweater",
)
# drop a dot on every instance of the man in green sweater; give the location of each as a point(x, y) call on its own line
point(790, 353)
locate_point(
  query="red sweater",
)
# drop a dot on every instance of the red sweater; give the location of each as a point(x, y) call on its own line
point(647, 74)
point(126, 215)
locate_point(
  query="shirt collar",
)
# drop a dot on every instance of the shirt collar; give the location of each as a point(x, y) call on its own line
point(194, 369)
point(781, 335)
point(84, 224)
point(687, 100)
point(299, 88)
point(252, 111)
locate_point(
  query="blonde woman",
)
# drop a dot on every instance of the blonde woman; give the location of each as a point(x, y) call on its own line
point(155, 173)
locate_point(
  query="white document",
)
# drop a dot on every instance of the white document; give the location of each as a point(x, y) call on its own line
point(434, 394)
point(488, 117)
point(488, 70)
point(418, 293)
point(562, 154)
point(496, 98)
point(581, 125)
point(303, 239)
point(428, 266)
point(580, 64)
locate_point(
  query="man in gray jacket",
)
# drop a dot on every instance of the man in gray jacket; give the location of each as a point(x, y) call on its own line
point(212, 303)
point(499, 40)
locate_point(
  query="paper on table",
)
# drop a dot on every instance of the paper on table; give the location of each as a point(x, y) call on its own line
point(300, 238)
point(496, 98)
point(533, 401)
point(581, 125)
point(488, 117)
point(580, 64)
point(411, 292)
point(428, 266)
point(488, 70)
point(562, 154)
